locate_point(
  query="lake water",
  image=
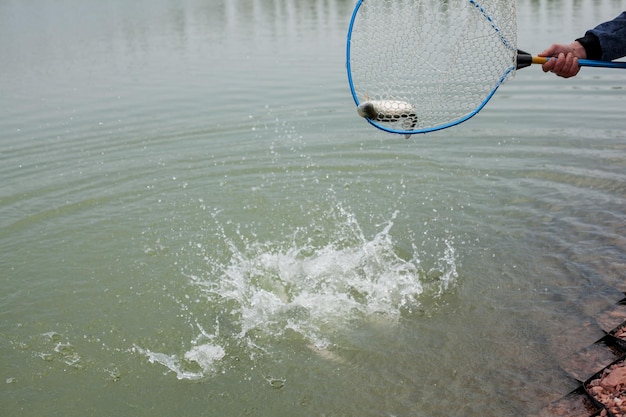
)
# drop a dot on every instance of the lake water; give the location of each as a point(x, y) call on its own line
point(194, 221)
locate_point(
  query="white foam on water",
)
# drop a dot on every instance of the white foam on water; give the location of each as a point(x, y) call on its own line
point(205, 355)
point(195, 364)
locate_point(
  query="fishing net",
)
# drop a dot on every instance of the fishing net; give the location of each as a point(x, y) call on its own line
point(416, 66)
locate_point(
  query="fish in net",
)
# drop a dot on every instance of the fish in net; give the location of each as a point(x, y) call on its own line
point(416, 66)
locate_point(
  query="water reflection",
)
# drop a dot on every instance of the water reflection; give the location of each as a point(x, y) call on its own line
point(96, 31)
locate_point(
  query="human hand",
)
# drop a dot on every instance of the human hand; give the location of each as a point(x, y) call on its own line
point(564, 59)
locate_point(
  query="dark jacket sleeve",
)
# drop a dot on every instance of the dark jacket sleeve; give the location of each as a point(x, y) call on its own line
point(607, 41)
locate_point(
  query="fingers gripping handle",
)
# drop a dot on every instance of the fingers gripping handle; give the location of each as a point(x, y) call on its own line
point(524, 59)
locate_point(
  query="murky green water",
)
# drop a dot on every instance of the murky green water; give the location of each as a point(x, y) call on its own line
point(194, 220)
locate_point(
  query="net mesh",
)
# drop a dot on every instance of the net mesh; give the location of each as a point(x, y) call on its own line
point(428, 64)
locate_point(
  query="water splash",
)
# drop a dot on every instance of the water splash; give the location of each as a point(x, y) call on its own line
point(195, 364)
point(303, 288)
point(312, 288)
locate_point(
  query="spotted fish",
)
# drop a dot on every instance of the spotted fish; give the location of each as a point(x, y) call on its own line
point(389, 111)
